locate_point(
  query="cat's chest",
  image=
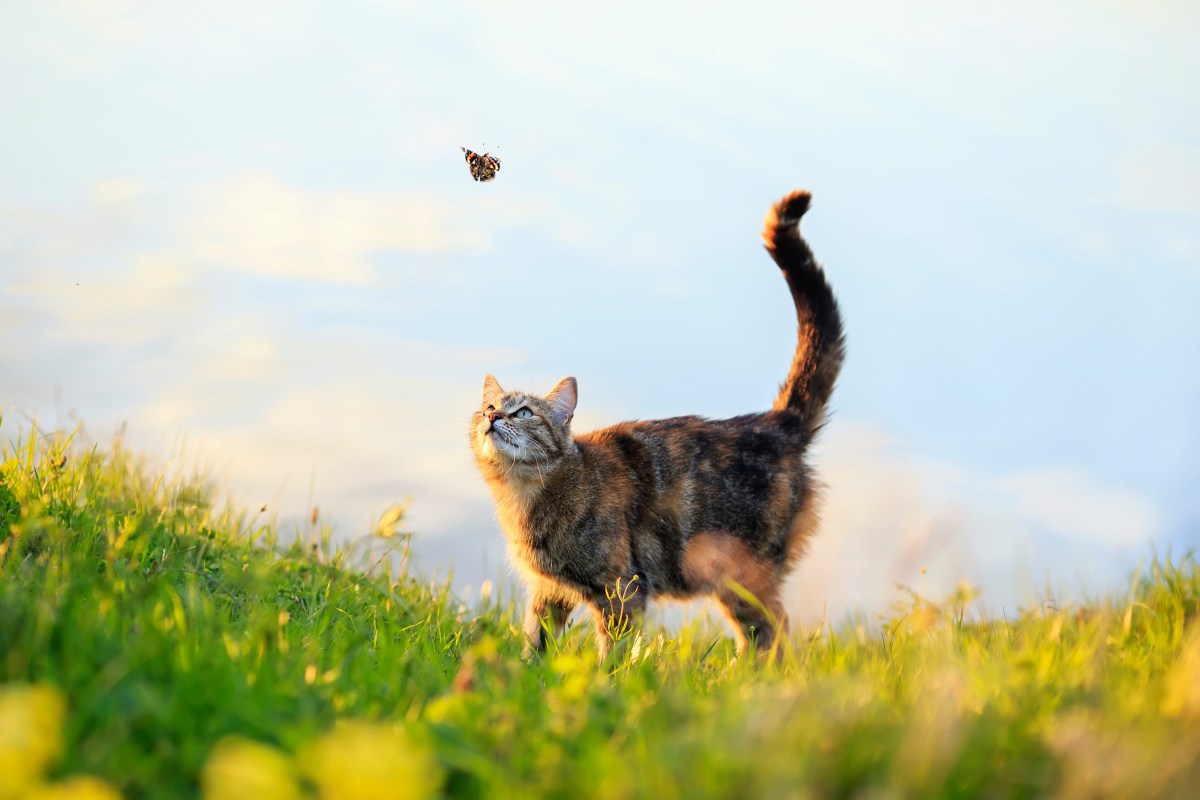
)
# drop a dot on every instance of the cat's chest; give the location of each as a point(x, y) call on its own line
point(542, 563)
point(530, 557)
point(526, 514)
point(534, 534)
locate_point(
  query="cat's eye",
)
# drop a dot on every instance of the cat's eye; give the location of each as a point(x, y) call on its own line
point(523, 413)
point(489, 409)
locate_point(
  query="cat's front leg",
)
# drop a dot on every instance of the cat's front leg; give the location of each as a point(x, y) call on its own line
point(617, 613)
point(604, 637)
point(543, 611)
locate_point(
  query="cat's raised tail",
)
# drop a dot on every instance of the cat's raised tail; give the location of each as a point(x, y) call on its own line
point(821, 344)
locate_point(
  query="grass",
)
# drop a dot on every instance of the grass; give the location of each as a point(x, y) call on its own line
point(195, 654)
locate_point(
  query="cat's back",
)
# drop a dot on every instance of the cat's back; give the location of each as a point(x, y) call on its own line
point(731, 474)
point(697, 442)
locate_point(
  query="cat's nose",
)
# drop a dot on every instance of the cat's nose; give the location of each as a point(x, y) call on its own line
point(495, 415)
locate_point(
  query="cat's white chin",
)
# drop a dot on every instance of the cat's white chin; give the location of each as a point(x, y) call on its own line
point(495, 447)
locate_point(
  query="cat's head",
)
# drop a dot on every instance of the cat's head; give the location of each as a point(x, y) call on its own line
point(516, 429)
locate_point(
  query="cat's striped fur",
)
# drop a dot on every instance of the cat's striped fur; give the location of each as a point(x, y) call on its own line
point(680, 507)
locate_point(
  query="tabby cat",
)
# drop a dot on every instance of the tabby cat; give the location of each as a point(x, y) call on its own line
point(678, 508)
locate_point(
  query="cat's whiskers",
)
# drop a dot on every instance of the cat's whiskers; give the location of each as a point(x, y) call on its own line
point(512, 465)
point(541, 478)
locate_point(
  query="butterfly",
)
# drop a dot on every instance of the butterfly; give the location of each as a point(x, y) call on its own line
point(483, 167)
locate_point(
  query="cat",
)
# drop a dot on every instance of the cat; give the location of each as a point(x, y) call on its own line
point(674, 508)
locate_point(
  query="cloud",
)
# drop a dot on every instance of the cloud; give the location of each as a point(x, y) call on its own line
point(254, 223)
point(888, 514)
point(86, 271)
point(151, 296)
point(132, 263)
point(1068, 504)
point(92, 36)
point(1160, 176)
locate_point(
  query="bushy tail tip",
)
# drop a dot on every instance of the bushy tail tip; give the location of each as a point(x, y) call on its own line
point(783, 217)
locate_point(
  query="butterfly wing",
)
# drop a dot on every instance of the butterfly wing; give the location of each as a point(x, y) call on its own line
point(473, 162)
point(488, 167)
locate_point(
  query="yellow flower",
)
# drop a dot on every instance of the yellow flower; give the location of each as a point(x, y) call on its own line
point(1183, 690)
point(239, 769)
point(369, 761)
point(31, 719)
point(77, 787)
point(577, 673)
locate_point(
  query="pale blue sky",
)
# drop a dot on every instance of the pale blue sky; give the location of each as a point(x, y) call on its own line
point(247, 228)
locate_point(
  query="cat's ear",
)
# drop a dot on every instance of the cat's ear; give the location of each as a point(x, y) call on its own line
point(562, 399)
point(491, 390)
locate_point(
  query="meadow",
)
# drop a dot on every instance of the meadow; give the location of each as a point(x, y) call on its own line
point(154, 644)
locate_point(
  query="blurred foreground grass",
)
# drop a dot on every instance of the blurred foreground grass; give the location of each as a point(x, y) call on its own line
point(152, 645)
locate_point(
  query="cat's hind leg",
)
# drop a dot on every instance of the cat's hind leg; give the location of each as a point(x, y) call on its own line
point(756, 619)
point(746, 584)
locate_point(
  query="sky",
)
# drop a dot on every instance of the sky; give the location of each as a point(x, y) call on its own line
point(245, 232)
